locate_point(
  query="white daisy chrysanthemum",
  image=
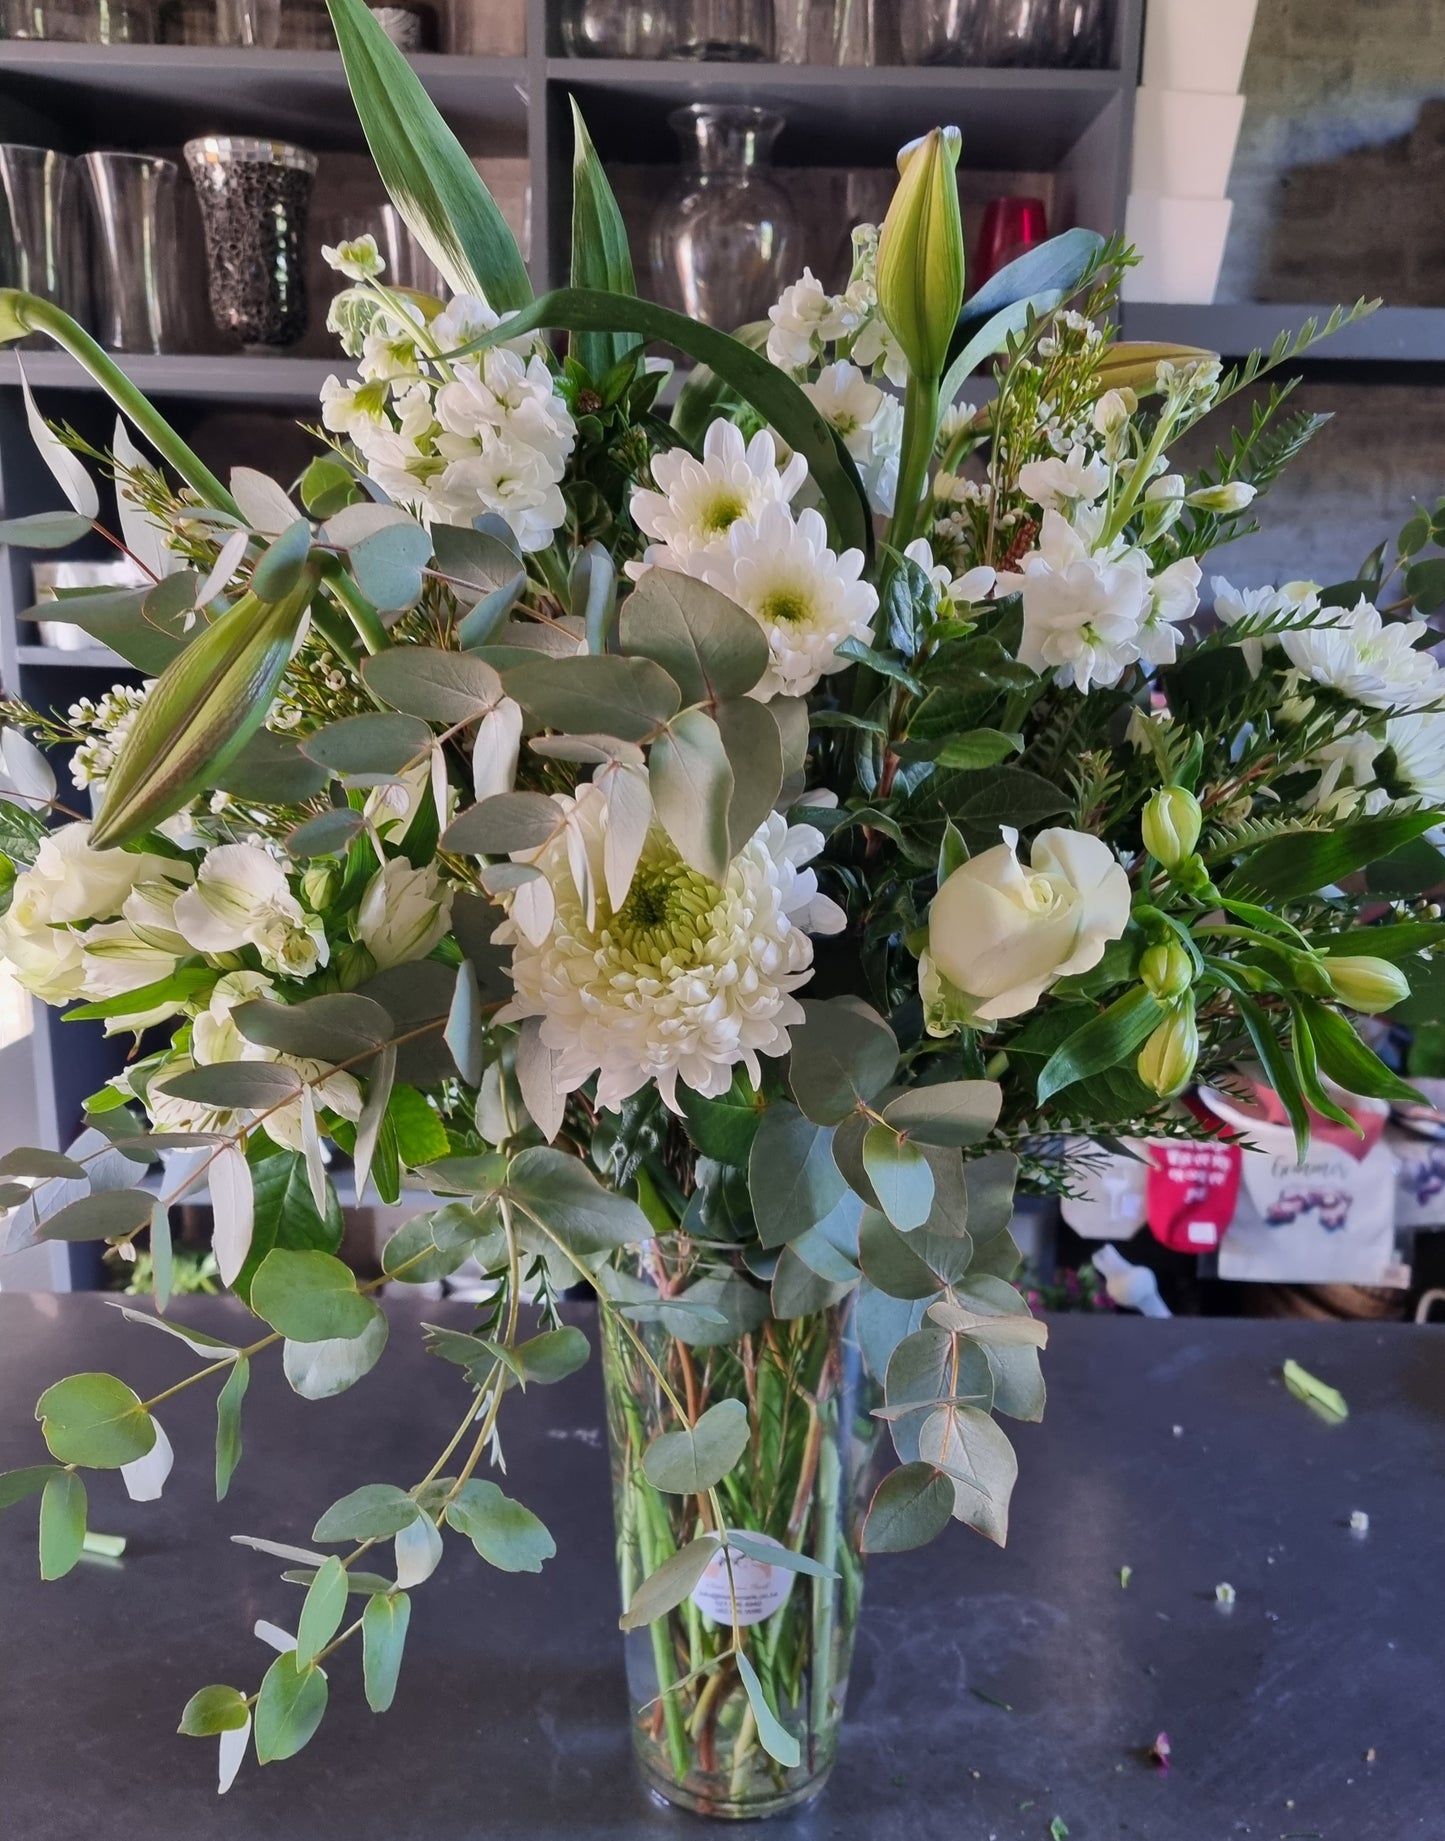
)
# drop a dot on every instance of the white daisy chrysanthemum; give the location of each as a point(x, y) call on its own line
point(697, 502)
point(806, 599)
point(689, 978)
point(1416, 767)
point(1367, 658)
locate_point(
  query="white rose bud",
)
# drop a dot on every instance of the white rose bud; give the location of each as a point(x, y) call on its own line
point(404, 913)
point(1001, 934)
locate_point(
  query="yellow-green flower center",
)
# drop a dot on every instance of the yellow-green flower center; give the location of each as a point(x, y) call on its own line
point(667, 913)
point(723, 512)
point(786, 606)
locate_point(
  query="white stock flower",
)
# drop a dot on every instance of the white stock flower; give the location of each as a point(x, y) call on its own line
point(1001, 934)
point(804, 319)
point(240, 898)
point(358, 258)
point(953, 591)
point(404, 913)
point(1082, 613)
point(1061, 485)
point(688, 979)
point(1366, 658)
point(698, 502)
point(806, 599)
point(870, 422)
point(1173, 596)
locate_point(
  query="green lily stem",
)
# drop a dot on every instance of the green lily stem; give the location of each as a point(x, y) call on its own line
point(22, 313)
point(920, 432)
point(362, 614)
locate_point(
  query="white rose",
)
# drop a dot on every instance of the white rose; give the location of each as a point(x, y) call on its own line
point(1001, 934)
point(72, 882)
point(46, 961)
point(404, 913)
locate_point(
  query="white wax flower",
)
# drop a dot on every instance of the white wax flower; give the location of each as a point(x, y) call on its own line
point(1001, 934)
point(404, 913)
point(1082, 613)
point(688, 979)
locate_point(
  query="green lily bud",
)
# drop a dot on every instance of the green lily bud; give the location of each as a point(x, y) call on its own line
point(1367, 985)
point(1166, 971)
point(1172, 823)
point(205, 707)
point(920, 253)
point(354, 965)
point(1166, 1061)
point(319, 885)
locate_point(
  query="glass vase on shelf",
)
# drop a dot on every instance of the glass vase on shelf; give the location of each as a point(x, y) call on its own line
point(726, 31)
point(619, 28)
point(725, 235)
point(807, 1400)
point(945, 31)
point(1023, 32)
point(254, 197)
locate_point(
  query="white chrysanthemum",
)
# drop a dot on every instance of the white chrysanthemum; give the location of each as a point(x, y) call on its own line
point(688, 979)
point(698, 502)
point(1373, 661)
point(1082, 613)
point(1417, 757)
point(806, 599)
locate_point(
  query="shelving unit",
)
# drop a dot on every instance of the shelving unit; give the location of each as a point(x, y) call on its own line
point(1391, 335)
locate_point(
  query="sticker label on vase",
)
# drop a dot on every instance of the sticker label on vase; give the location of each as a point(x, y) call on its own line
point(761, 1589)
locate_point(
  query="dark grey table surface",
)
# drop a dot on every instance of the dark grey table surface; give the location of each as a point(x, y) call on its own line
point(510, 1718)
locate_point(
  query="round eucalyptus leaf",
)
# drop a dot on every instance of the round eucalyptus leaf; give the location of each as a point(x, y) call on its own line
point(333, 1028)
point(711, 648)
point(95, 1421)
point(910, 1508)
point(890, 1262)
point(98, 1217)
point(319, 1370)
point(684, 1463)
point(371, 744)
point(630, 698)
point(445, 687)
point(670, 1584)
point(326, 836)
point(498, 826)
point(900, 1175)
point(505, 1533)
point(388, 566)
point(252, 1086)
point(844, 1054)
point(692, 786)
point(310, 1297)
point(374, 1512)
point(953, 1113)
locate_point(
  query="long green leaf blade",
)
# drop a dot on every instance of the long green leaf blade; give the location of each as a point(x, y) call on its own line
point(424, 167)
point(601, 257)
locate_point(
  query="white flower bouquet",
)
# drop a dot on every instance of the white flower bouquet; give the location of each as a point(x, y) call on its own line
point(711, 858)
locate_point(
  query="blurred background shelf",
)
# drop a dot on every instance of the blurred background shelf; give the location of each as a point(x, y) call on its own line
point(1390, 335)
point(216, 377)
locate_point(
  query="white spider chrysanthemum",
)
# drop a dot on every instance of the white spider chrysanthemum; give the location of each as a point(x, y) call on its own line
point(806, 599)
point(688, 979)
point(1368, 659)
point(698, 502)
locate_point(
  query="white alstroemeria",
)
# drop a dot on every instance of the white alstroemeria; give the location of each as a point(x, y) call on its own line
point(1366, 658)
point(1062, 485)
point(116, 959)
point(358, 258)
point(241, 897)
point(1415, 768)
point(804, 319)
point(953, 591)
point(1082, 613)
point(806, 599)
point(688, 979)
point(1173, 597)
point(404, 913)
point(392, 807)
point(698, 502)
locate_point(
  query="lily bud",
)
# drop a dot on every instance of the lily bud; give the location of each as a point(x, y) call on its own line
point(1234, 495)
point(920, 253)
point(1166, 1061)
point(1172, 823)
point(1166, 971)
point(1367, 985)
point(1135, 366)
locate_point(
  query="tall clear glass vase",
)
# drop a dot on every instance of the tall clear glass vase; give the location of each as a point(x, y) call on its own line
point(803, 1483)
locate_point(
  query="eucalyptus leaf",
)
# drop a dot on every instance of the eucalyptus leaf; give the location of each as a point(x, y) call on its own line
point(773, 1736)
point(693, 1460)
point(900, 1175)
point(711, 648)
point(911, 1507)
point(335, 1028)
point(563, 1196)
point(291, 1705)
point(954, 1112)
point(373, 744)
point(844, 1054)
point(322, 1612)
point(793, 1179)
point(270, 769)
point(310, 1297)
point(753, 744)
point(62, 1523)
point(250, 1086)
point(504, 823)
point(95, 1421)
point(631, 698)
point(330, 835)
point(505, 1533)
point(692, 790)
point(383, 1638)
point(670, 1584)
point(445, 687)
point(389, 564)
point(319, 1370)
point(228, 1424)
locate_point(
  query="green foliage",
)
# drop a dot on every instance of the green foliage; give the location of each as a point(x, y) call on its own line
point(505, 1533)
point(95, 1421)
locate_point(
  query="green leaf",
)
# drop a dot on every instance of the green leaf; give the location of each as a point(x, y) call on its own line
point(754, 1548)
point(560, 1193)
point(773, 1736)
point(1348, 1061)
point(553, 1355)
point(601, 258)
point(723, 1128)
point(252, 1086)
point(16, 1485)
point(421, 1137)
point(900, 1175)
point(974, 1452)
point(327, 486)
point(212, 1710)
point(322, 1612)
point(336, 1028)
point(1054, 267)
point(95, 1421)
point(910, 1507)
point(954, 1112)
point(310, 1297)
point(891, 1260)
point(687, 1462)
point(981, 748)
point(1327, 1401)
point(388, 566)
point(286, 1216)
point(1413, 870)
point(592, 593)
point(279, 569)
point(670, 1584)
point(45, 530)
point(1300, 865)
point(1103, 1043)
point(505, 1533)
point(798, 1288)
point(424, 167)
point(629, 698)
point(711, 649)
point(62, 1524)
point(844, 1055)
point(1425, 585)
point(202, 710)
point(383, 1638)
point(793, 1179)
point(754, 746)
point(228, 1424)
point(290, 1707)
point(374, 1512)
point(319, 1370)
point(32, 1160)
point(466, 1026)
point(97, 1217)
point(376, 744)
point(271, 770)
point(162, 1254)
point(692, 790)
point(883, 663)
point(777, 399)
point(444, 687)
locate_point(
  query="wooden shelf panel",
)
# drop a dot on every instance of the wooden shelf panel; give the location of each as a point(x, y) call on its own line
point(289, 383)
point(88, 658)
point(159, 95)
point(1011, 119)
point(1392, 335)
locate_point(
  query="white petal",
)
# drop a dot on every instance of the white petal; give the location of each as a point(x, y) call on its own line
point(534, 908)
point(439, 784)
point(233, 1206)
point(25, 774)
point(144, 538)
point(225, 566)
point(264, 505)
point(418, 1552)
point(273, 1634)
point(311, 1151)
point(494, 755)
point(145, 1477)
point(70, 475)
point(233, 1753)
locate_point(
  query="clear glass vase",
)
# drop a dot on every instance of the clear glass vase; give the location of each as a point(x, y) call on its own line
point(804, 1483)
point(725, 235)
